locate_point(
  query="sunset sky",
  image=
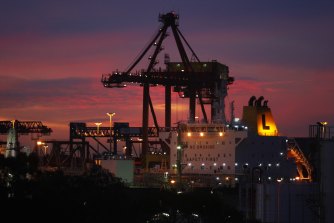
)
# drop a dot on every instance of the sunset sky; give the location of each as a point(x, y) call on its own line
point(53, 53)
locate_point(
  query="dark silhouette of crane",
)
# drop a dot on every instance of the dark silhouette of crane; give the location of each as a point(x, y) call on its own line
point(205, 81)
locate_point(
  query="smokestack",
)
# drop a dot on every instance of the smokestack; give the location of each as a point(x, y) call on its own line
point(258, 101)
point(251, 101)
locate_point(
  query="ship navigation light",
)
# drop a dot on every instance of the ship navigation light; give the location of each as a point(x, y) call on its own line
point(279, 180)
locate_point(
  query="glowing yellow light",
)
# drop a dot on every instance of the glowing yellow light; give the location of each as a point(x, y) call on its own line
point(39, 143)
point(98, 162)
point(189, 134)
point(98, 125)
point(201, 134)
point(111, 114)
point(172, 181)
point(266, 125)
point(221, 134)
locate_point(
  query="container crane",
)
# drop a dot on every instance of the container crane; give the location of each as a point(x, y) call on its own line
point(15, 127)
point(205, 81)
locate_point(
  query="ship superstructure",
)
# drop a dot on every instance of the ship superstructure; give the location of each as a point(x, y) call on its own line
point(207, 148)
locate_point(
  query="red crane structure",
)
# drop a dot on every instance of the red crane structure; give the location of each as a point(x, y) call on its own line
point(203, 81)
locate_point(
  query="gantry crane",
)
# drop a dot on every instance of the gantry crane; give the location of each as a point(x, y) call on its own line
point(15, 127)
point(205, 81)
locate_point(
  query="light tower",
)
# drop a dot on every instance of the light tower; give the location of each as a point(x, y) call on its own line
point(97, 133)
point(111, 114)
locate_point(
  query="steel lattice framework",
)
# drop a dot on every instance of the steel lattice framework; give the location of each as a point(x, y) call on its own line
point(193, 80)
point(24, 127)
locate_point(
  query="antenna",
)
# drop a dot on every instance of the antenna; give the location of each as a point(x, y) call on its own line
point(232, 111)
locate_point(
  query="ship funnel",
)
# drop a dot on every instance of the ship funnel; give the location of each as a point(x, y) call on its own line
point(257, 116)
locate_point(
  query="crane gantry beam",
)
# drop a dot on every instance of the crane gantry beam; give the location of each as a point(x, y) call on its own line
point(24, 127)
point(204, 79)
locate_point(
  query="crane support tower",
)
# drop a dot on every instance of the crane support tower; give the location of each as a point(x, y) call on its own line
point(203, 81)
